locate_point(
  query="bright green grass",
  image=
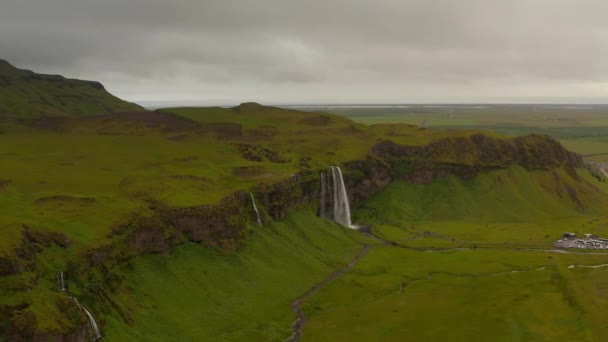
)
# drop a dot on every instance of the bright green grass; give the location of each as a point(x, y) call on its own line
point(120, 172)
point(392, 292)
point(395, 294)
point(196, 294)
point(511, 206)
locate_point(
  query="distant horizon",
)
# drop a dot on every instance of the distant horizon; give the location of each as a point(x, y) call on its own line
point(200, 103)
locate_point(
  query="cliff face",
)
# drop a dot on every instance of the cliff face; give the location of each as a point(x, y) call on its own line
point(226, 226)
point(467, 157)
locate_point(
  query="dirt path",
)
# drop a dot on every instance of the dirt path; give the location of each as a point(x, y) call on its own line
point(588, 266)
point(297, 304)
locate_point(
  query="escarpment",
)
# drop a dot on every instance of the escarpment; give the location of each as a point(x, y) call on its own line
point(466, 157)
point(226, 226)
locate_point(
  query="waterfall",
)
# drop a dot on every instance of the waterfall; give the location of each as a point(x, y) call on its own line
point(255, 208)
point(334, 199)
point(95, 335)
point(61, 281)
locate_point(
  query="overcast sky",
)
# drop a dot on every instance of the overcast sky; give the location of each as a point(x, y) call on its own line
point(317, 51)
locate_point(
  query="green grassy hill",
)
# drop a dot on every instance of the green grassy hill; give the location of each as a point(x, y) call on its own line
point(488, 277)
point(25, 94)
point(389, 294)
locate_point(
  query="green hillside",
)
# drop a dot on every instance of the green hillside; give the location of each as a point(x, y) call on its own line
point(489, 264)
point(25, 94)
point(247, 296)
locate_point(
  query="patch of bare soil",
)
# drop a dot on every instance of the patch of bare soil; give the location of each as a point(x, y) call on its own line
point(4, 183)
point(192, 178)
point(187, 159)
point(64, 203)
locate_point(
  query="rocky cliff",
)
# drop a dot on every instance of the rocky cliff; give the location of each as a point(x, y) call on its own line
point(466, 157)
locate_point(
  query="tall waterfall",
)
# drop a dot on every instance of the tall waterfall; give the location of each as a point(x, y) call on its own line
point(95, 334)
point(334, 200)
point(255, 208)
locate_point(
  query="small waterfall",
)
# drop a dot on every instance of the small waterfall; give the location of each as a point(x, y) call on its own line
point(334, 199)
point(61, 281)
point(95, 334)
point(255, 208)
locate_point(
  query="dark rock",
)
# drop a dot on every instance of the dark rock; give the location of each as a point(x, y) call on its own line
point(221, 225)
point(466, 157)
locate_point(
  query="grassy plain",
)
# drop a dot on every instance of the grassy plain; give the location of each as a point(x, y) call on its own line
point(483, 295)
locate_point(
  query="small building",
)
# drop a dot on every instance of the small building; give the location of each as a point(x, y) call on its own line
point(569, 236)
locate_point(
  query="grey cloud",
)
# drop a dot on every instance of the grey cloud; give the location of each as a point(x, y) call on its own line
point(329, 51)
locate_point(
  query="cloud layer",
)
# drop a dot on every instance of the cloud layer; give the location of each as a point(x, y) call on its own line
point(283, 51)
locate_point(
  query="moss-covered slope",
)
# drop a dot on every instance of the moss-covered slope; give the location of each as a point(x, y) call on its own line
point(26, 94)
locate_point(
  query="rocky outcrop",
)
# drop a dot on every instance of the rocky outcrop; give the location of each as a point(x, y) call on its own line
point(365, 178)
point(279, 199)
point(32, 241)
point(466, 157)
point(222, 225)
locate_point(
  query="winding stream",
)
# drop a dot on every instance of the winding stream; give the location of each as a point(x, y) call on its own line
point(296, 305)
